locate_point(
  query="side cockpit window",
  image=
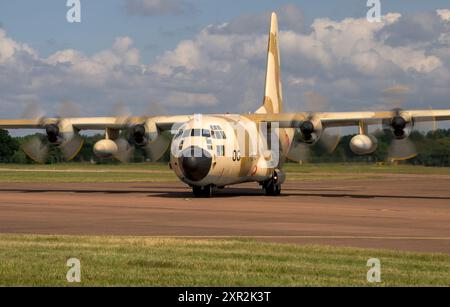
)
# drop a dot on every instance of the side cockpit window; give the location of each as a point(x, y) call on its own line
point(220, 150)
point(209, 143)
point(180, 133)
point(217, 132)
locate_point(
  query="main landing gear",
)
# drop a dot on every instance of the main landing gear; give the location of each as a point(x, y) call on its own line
point(205, 191)
point(272, 186)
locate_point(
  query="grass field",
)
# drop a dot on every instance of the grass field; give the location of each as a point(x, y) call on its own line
point(31, 260)
point(151, 172)
point(28, 260)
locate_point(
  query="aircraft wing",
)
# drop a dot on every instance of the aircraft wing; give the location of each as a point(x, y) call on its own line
point(164, 123)
point(286, 120)
point(371, 118)
point(64, 132)
point(348, 119)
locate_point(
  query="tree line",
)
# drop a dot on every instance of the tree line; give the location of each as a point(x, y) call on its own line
point(433, 150)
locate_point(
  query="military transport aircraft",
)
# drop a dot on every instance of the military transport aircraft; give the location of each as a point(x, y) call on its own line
point(214, 151)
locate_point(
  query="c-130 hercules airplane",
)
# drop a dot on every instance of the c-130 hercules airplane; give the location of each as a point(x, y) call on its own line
point(214, 151)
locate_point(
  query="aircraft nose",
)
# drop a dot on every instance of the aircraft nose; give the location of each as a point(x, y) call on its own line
point(195, 163)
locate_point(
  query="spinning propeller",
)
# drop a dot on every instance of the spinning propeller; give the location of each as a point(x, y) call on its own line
point(142, 133)
point(59, 133)
point(400, 126)
point(310, 132)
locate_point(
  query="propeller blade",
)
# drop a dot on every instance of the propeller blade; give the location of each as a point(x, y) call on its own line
point(329, 141)
point(154, 108)
point(156, 149)
point(36, 150)
point(71, 148)
point(68, 109)
point(395, 96)
point(427, 126)
point(33, 111)
point(402, 150)
point(299, 152)
point(124, 151)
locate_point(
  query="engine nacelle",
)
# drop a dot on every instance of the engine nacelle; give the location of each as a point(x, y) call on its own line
point(145, 133)
point(400, 125)
point(363, 144)
point(59, 133)
point(309, 131)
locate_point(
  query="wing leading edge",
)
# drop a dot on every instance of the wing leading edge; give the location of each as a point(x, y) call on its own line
point(96, 123)
point(286, 120)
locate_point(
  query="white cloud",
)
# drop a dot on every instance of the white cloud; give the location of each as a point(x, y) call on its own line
point(348, 62)
point(186, 56)
point(187, 100)
point(9, 48)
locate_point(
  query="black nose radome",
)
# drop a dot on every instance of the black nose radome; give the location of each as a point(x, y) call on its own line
point(195, 163)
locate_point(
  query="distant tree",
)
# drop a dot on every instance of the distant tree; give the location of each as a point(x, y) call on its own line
point(433, 150)
point(8, 146)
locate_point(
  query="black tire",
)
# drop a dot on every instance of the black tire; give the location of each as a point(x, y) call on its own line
point(205, 191)
point(277, 190)
point(272, 189)
point(197, 191)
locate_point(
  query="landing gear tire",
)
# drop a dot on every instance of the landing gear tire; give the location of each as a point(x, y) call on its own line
point(205, 191)
point(272, 187)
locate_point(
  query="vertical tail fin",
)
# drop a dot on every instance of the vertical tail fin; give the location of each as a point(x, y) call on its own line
point(273, 96)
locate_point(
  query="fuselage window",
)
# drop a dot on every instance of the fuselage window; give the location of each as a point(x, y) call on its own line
point(209, 143)
point(220, 150)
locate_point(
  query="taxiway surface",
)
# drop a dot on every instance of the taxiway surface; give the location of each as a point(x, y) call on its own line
point(399, 212)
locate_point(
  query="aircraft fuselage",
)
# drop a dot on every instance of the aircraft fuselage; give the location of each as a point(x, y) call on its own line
point(221, 150)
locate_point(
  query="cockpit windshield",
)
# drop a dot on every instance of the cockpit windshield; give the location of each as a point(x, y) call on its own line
point(196, 132)
point(206, 133)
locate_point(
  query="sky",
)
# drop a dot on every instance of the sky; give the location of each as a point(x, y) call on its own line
point(208, 56)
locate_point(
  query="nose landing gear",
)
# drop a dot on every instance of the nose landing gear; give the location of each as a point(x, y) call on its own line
point(205, 191)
